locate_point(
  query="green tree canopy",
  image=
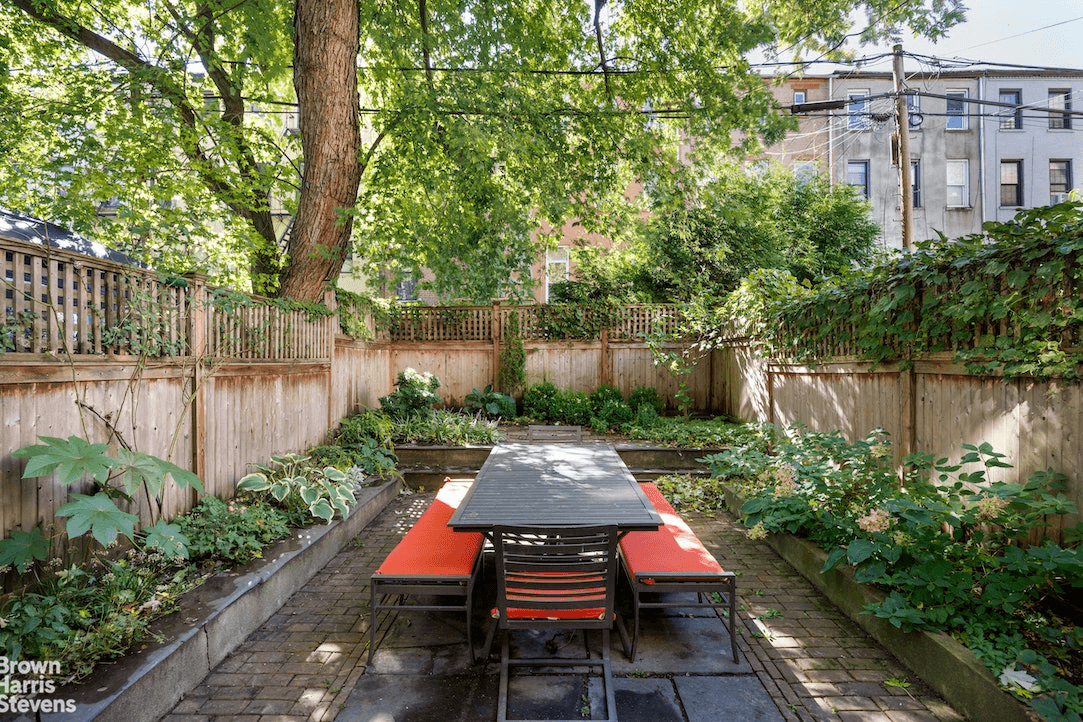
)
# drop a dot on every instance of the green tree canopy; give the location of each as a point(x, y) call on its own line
point(479, 121)
point(742, 221)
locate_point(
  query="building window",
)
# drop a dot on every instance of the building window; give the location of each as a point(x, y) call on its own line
point(915, 184)
point(958, 183)
point(805, 170)
point(407, 287)
point(1011, 183)
point(557, 264)
point(857, 175)
point(1060, 100)
point(798, 97)
point(1060, 180)
point(1011, 119)
point(913, 111)
point(858, 110)
point(956, 110)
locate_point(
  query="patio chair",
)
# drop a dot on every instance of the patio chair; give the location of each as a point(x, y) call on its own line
point(555, 578)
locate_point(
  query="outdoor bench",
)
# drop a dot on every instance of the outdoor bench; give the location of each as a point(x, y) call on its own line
point(673, 560)
point(431, 559)
point(554, 433)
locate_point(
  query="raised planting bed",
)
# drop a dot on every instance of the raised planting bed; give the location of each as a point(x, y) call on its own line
point(946, 666)
point(427, 466)
point(213, 620)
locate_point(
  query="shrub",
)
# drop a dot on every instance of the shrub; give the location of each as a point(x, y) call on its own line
point(366, 425)
point(947, 553)
point(232, 532)
point(612, 415)
point(571, 407)
point(646, 395)
point(605, 393)
point(538, 399)
point(489, 403)
point(415, 394)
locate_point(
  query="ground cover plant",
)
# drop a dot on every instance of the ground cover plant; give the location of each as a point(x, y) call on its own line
point(98, 599)
point(947, 546)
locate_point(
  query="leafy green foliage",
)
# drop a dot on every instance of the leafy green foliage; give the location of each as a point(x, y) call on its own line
point(945, 545)
point(415, 394)
point(168, 539)
point(98, 515)
point(233, 532)
point(21, 549)
point(300, 487)
point(447, 428)
point(538, 398)
point(489, 403)
point(362, 441)
point(1002, 301)
point(82, 616)
point(646, 396)
point(512, 375)
point(693, 433)
point(72, 459)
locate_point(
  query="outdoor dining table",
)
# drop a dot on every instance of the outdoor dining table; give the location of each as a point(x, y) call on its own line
point(555, 485)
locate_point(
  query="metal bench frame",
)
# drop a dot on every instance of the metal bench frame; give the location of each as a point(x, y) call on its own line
point(703, 583)
point(389, 591)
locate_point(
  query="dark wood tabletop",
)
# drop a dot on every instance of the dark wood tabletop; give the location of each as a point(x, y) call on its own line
point(555, 485)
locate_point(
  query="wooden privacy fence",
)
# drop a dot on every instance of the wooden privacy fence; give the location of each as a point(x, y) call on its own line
point(933, 407)
point(62, 303)
point(235, 379)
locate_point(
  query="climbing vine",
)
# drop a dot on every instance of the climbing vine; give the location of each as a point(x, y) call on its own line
point(1005, 301)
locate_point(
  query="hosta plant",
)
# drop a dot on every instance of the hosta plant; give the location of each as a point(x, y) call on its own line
point(299, 486)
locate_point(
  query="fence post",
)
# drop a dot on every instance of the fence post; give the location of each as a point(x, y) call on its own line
point(332, 326)
point(197, 344)
point(497, 331)
point(906, 412)
point(604, 362)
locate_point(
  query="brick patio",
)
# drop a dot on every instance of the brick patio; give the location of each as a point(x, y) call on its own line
point(815, 664)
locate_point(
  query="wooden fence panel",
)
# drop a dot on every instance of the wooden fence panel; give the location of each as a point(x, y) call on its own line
point(1036, 424)
point(360, 372)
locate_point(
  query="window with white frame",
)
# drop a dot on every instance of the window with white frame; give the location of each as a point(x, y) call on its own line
point(557, 267)
point(857, 110)
point(958, 117)
point(958, 183)
point(799, 97)
point(857, 175)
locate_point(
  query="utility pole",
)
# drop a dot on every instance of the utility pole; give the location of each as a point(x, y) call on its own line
point(902, 119)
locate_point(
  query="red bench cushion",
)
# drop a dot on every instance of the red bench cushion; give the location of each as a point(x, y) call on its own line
point(431, 547)
point(673, 549)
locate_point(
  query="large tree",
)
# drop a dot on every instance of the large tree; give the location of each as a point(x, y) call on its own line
point(479, 120)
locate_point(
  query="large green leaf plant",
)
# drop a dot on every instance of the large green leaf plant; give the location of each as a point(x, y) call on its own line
point(98, 514)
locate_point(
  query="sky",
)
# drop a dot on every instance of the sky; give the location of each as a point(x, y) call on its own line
point(1042, 33)
point(1046, 33)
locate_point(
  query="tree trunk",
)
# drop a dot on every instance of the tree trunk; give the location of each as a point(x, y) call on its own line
point(325, 78)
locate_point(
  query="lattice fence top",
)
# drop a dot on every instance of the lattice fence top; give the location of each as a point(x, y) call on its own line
point(57, 302)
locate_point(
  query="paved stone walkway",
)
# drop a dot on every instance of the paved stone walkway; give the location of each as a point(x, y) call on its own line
point(815, 664)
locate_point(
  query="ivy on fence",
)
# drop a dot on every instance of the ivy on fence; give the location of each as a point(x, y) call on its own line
point(1005, 301)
